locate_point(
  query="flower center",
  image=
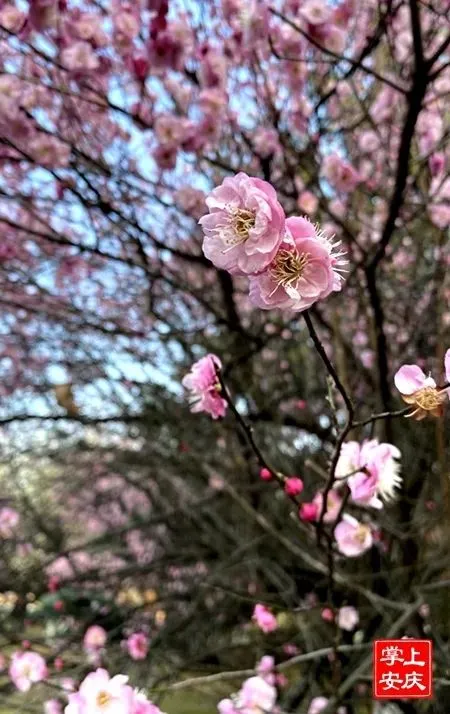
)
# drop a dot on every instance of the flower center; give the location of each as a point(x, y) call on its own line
point(242, 221)
point(429, 398)
point(103, 698)
point(361, 534)
point(288, 267)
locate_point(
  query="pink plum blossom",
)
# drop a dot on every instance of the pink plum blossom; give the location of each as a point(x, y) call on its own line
point(100, 694)
point(439, 207)
point(52, 706)
point(264, 618)
point(94, 639)
point(191, 200)
point(333, 38)
point(266, 142)
point(227, 706)
point(334, 502)
point(306, 268)
point(256, 696)
point(141, 705)
point(316, 12)
point(372, 469)
point(422, 392)
point(27, 668)
point(80, 57)
point(265, 665)
point(245, 225)
point(348, 618)
point(308, 202)
point(9, 520)
point(318, 704)
point(353, 538)
point(205, 387)
point(137, 645)
point(340, 173)
point(12, 18)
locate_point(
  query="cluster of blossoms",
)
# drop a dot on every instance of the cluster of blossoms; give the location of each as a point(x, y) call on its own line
point(422, 392)
point(290, 263)
point(258, 694)
point(371, 472)
point(101, 694)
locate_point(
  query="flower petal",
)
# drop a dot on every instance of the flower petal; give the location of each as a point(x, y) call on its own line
point(409, 379)
point(447, 365)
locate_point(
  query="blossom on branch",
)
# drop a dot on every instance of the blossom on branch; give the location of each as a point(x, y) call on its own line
point(372, 469)
point(27, 668)
point(101, 694)
point(256, 696)
point(245, 225)
point(422, 392)
point(137, 645)
point(205, 388)
point(353, 538)
point(94, 638)
point(306, 268)
point(348, 618)
point(264, 618)
point(334, 502)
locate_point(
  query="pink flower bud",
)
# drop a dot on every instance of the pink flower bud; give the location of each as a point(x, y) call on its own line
point(293, 486)
point(265, 474)
point(327, 614)
point(53, 584)
point(308, 512)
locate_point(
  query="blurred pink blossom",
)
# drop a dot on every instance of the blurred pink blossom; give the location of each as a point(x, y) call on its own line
point(94, 639)
point(137, 645)
point(353, 538)
point(205, 387)
point(27, 668)
point(264, 618)
point(348, 618)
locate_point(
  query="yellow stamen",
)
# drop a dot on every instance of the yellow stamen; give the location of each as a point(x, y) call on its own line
point(103, 698)
point(288, 267)
point(243, 222)
point(361, 533)
point(426, 401)
point(429, 398)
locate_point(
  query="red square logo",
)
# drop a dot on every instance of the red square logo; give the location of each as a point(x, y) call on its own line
point(402, 669)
